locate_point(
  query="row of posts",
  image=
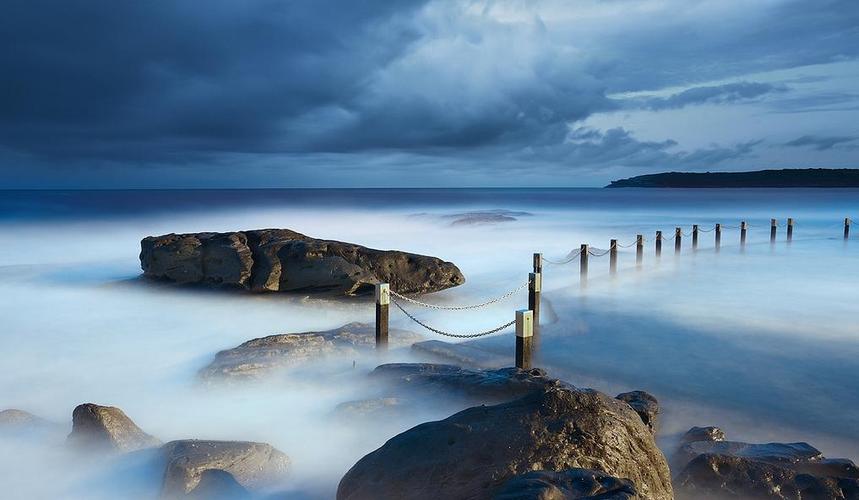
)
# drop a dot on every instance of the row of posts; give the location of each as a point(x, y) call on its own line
point(528, 320)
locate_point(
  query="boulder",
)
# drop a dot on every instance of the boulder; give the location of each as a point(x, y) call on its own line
point(571, 484)
point(260, 357)
point(280, 260)
point(239, 466)
point(107, 428)
point(473, 453)
point(714, 468)
point(644, 404)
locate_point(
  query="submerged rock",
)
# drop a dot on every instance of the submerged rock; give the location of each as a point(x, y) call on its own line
point(273, 260)
point(714, 468)
point(259, 357)
point(239, 466)
point(644, 404)
point(473, 453)
point(460, 353)
point(571, 484)
point(107, 428)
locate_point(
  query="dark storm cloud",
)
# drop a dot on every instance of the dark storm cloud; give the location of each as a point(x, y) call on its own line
point(819, 143)
point(718, 94)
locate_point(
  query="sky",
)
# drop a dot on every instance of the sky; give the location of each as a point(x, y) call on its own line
point(426, 93)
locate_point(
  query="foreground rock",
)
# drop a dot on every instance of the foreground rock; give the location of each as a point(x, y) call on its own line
point(714, 468)
point(199, 468)
point(572, 484)
point(473, 453)
point(107, 428)
point(645, 405)
point(260, 357)
point(280, 260)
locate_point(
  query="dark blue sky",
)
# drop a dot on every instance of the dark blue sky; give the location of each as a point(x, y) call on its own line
point(265, 93)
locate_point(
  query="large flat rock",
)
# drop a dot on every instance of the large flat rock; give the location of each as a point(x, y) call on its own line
point(281, 260)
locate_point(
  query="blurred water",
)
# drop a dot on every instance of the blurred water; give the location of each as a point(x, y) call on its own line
point(763, 342)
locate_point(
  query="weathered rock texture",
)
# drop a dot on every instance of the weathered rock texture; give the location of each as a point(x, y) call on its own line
point(280, 260)
point(644, 404)
point(259, 357)
point(572, 484)
point(471, 454)
point(718, 469)
point(242, 465)
point(107, 428)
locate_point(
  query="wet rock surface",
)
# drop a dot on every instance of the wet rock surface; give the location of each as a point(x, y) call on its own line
point(473, 453)
point(715, 468)
point(281, 260)
point(260, 357)
point(239, 466)
point(572, 484)
point(644, 404)
point(107, 428)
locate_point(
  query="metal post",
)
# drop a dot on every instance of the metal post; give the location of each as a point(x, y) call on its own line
point(612, 257)
point(658, 243)
point(583, 264)
point(383, 301)
point(678, 234)
point(789, 230)
point(524, 338)
point(695, 237)
point(718, 232)
point(846, 228)
point(535, 284)
point(743, 234)
point(639, 249)
point(773, 226)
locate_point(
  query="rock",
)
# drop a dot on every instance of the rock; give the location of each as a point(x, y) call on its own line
point(367, 408)
point(259, 357)
point(283, 260)
point(216, 484)
point(461, 354)
point(107, 428)
point(471, 454)
point(715, 468)
point(240, 466)
point(644, 404)
point(13, 418)
point(571, 484)
point(481, 217)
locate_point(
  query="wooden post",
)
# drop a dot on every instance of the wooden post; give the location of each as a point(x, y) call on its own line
point(612, 257)
point(773, 226)
point(383, 301)
point(718, 232)
point(538, 263)
point(743, 234)
point(678, 234)
point(639, 249)
point(789, 230)
point(846, 228)
point(695, 237)
point(524, 338)
point(658, 243)
point(535, 284)
point(583, 264)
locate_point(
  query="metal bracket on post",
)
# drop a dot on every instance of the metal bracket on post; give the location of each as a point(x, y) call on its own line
point(383, 303)
point(524, 338)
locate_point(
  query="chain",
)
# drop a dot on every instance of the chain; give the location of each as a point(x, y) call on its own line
point(462, 308)
point(626, 246)
point(598, 254)
point(707, 230)
point(573, 255)
point(454, 335)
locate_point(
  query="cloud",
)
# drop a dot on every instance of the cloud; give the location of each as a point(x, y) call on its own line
point(718, 94)
point(819, 143)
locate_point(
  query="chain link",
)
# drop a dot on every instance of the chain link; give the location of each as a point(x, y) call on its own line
point(462, 308)
point(573, 255)
point(454, 335)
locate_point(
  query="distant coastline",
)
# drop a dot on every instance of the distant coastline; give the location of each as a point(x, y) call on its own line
point(785, 178)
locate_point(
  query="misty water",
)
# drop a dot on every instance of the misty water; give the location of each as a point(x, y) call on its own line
point(761, 341)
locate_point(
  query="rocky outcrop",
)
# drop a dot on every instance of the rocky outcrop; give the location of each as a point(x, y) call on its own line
point(483, 217)
point(571, 484)
point(713, 468)
point(473, 453)
point(280, 260)
point(239, 466)
point(107, 428)
point(260, 357)
point(644, 404)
